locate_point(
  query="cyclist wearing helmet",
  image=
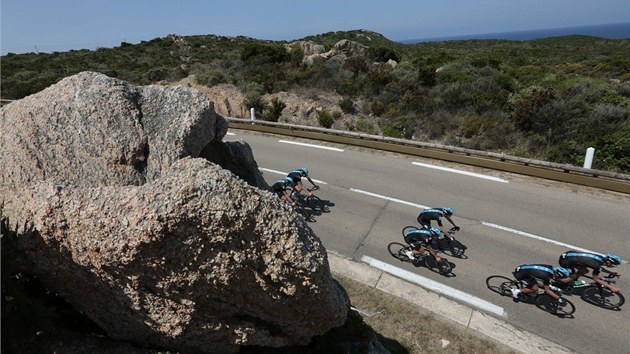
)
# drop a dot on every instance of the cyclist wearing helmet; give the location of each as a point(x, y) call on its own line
point(530, 274)
point(427, 215)
point(282, 188)
point(421, 238)
point(297, 177)
point(580, 262)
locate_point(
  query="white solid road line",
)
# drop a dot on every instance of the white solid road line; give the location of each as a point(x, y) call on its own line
point(436, 287)
point(390, 199)
point(310, 145)
point(478, 175)
point(228, 133)
point(540, 238)
point(286, 173)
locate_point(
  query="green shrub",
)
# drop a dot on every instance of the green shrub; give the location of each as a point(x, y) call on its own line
point(273, 112)
point(347, 105)
point(325, 119)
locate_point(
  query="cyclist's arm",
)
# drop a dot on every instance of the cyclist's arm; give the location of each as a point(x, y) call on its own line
point(611, 272)
point(450, 220)
point(612, 288)
point(310, 180)
point(551, 292)
point(432, 251)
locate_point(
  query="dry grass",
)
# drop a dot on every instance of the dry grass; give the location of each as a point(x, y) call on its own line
point(405, 328)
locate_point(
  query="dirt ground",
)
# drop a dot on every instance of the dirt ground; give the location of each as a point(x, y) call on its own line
point(405, 328)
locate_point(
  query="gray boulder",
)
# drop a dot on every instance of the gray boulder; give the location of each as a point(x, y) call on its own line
point(92, 130)
point(196, 260)
point(125, 201)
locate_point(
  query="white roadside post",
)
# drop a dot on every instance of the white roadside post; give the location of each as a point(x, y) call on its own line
point(253, 114)
point(588, 159)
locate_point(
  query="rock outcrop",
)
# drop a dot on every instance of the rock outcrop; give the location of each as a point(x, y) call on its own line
point(340, 52)
point(114, 198)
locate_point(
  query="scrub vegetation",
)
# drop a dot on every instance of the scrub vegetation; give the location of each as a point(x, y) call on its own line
point(547, 99)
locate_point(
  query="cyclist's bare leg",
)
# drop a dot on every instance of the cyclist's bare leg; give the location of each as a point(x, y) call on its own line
point(527, 290)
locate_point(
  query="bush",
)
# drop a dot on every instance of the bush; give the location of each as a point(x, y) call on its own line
point(347, 105)
point(274, 111)
point(325, 119)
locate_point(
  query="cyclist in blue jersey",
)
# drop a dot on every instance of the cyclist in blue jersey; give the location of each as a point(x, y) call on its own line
point(419, 239)
point(297, 175)
point(532, 273)
point(282, 188)
point(436, 214)
point(582, 261)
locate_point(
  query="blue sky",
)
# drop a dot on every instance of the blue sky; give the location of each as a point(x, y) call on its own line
point(61, 25)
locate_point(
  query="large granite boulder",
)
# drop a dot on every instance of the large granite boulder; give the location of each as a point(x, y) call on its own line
point(118, 198)
point(91, 130)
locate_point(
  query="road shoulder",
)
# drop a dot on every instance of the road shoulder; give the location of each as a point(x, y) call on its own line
point(482, 323)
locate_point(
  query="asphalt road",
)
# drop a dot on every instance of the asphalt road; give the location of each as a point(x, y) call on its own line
point(506, 220)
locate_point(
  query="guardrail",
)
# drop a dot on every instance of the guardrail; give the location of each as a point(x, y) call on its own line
point(617, 182)
point(5, 102)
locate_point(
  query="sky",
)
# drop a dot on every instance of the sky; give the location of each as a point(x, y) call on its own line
point(47, 26)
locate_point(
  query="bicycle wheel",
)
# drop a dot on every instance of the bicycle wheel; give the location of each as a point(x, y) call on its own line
point(397, 250)
point(456, 248)
point(603, 297)
point(549, 304)
point(407, 229)
point(501, 285)
point(444, 267)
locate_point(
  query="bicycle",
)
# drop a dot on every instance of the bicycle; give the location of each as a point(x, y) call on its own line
point(504, 285)
point(595, 293)
point(454, 247)
point(399, 251)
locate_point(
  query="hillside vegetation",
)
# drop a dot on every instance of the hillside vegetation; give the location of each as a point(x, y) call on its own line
point(547, 99)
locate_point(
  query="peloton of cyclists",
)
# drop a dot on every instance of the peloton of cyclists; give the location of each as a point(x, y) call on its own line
point(297, 175)
point(532, 273)
point(580, 262)
point(420, 239)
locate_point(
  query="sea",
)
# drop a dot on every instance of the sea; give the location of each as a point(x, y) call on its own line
point(610, 31)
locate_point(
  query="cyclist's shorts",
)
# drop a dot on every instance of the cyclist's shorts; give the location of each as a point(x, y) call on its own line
point(530, 275)
point(279, 193)
point(574, 261)
point(415, 240)
point(424, 222)
point(295, 176)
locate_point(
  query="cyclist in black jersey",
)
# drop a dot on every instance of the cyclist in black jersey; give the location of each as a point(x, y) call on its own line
point(282, 188)
point(532, 273)
point(580, 262)
point(420, 239)
point(436, 214)
point(297, 175)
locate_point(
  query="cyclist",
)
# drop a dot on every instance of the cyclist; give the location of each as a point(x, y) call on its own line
point(436, 214)
point(297, 175)
point(580, 262)
point(531, 273)
point(419, 239)
point(282, 188)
